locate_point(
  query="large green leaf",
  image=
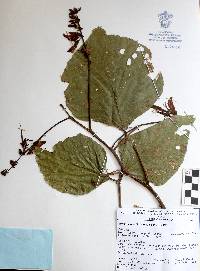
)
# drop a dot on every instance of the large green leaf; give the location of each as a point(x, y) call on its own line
point(119, 92)
point(75, 165)
point(160, 148)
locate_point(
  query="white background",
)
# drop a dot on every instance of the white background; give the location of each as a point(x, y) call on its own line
point(32, 58)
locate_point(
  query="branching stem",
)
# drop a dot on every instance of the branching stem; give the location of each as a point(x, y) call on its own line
point(36, 141)
point(87, 56)
point(94, 135)
point(123, 170)
point(51, 128)
point(149, 188)
point(113, 173)
point(130, 131)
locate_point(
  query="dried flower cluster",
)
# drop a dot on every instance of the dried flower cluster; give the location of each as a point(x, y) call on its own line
point(75, 36)
point(169, 111)
point(26, 148)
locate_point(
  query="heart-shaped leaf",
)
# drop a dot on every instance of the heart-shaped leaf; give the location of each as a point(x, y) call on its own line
point(160, 148)
point(120, 85)
point(75, 166)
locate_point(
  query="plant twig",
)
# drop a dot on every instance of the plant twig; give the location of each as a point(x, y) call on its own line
point(94, 135)
point(113, 172)
point(156, 196)
point(141, 163)
point(118, 182)
point(89, 95)
point(123, 170)
point(128, 132)
point(51, 128)
point(119, 189)
point(32, 147)
point(86, 53)
point(148, 187)
point(74, 37)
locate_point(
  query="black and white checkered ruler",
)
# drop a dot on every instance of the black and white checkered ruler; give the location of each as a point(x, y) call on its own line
point(191, 187)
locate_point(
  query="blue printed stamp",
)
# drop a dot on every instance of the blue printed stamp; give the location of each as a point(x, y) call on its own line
point(164, 19)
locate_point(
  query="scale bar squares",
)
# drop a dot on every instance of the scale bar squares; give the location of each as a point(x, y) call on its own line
point(191, 187)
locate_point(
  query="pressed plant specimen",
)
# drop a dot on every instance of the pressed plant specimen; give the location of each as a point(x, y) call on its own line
point(110, 80)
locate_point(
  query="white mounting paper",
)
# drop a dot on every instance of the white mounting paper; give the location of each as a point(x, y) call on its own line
point(157, 239)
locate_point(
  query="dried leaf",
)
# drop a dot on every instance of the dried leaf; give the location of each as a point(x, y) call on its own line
point(161, 149)
point(119, 92)
point(75, 165)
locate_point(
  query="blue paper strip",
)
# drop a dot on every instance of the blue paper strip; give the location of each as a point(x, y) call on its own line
point(25, 248)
